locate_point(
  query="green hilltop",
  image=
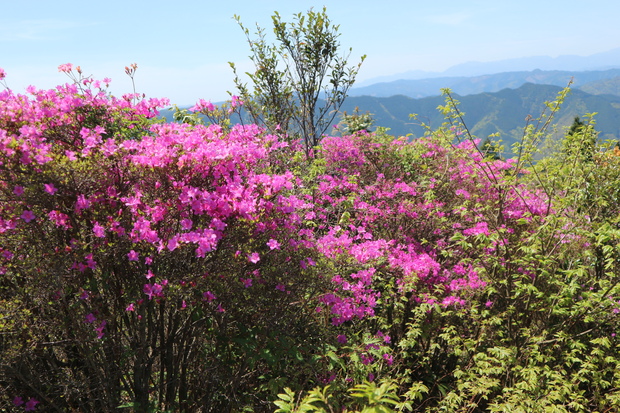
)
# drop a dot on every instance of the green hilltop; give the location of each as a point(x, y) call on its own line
point(504, 112)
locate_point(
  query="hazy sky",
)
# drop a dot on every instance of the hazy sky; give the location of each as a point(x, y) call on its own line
point(182, 48)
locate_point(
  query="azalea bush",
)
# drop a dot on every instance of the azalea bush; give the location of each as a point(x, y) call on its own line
point(539, 334)
point(155, 266)
point(146, 265)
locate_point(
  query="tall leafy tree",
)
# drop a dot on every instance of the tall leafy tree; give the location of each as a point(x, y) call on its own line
point(294, 75)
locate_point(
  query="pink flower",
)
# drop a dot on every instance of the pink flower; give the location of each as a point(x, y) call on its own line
point(70, 155)
point(209, 296)
point(18, 190)
point(81, 203)
point(31, 405)
point(152, 290)
point(386, 338)
point(98, 230)
point(235, 101)
point(342, 339)
point(65, 68)
point(2, 73)
point(100, 329)
point(50, 189)
point(130, 307)
point(90, 318)
point(388, 358)
point(247, 282)
point(18, 401)
point(133, 256)
point(61, 220)
point(366, 359)
point(28, 216)
point(201, 105)
point(186, 224)
point(254, 257)
point(273, 244)
point(280, 287)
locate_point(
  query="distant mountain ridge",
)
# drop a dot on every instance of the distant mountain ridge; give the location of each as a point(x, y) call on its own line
point(491, 83)
point(487, 113)
point(599, 61)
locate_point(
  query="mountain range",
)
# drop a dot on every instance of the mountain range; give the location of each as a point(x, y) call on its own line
point(468, 85)
point(599, 61)
point(504, 112)
point(496, 97)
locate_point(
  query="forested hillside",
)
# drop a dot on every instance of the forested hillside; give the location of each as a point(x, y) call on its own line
point(503, 112)
point(468, 85)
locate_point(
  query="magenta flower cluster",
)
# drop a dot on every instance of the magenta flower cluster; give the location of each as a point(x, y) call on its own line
point(368, 217)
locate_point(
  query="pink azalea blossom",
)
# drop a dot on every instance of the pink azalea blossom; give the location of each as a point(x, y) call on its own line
point(202, 105)
point(133, 256)
point(98, 230)
point(28, 216)
point(388, 359)
point(254, 257)
point(8, 254)
point(100, 329)
point(31, 405)
point(152, 290)
point(186, 224)
point(50, 189)
point(65, 68)
point(273, 244)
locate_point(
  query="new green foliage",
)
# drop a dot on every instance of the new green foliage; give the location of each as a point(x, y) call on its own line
point(291, 75)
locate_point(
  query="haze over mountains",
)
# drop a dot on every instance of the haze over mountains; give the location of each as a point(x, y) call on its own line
point(599, 61)
point(463, 85)
point(496, 97)
point(502, 112)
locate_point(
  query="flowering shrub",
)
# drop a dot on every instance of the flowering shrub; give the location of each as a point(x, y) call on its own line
point(190, 267)
point(135, 250)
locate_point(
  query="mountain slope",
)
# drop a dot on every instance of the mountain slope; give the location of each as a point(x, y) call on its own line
point(599, 61)
point(503, 112)
point(604, 86)
point(487, 113)
point(485, 83)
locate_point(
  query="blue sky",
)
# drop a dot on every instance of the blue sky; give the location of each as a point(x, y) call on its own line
point(183, 48)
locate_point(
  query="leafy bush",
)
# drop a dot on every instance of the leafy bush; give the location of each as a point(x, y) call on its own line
point(182, 267)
